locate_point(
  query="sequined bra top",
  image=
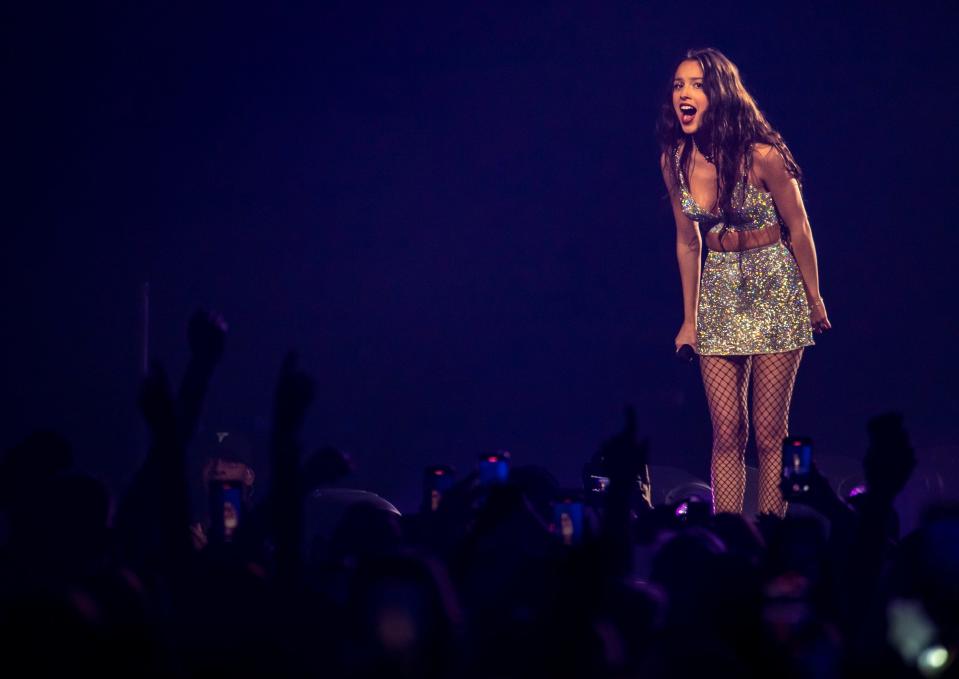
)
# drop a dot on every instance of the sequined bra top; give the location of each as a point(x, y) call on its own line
point(755, 211)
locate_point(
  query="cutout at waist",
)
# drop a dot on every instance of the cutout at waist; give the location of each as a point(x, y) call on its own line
point(738, 241)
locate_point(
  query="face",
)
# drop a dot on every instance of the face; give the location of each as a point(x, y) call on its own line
point(689, 96)
point(218, 469)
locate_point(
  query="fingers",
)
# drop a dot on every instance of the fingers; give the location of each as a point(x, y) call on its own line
point(206, 333)
point(820, 325)
point(682, 340)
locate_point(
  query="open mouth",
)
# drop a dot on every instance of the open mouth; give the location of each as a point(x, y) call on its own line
point(686, 113)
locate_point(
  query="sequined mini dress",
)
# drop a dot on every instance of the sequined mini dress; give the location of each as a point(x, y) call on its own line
point(752, 301)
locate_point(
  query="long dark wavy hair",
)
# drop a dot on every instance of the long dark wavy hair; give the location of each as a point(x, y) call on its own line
point(731, 125)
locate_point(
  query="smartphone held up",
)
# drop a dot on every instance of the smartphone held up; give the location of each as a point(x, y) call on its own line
point(568, 517)
point(437, 481)
point(494, 468)
point(226, 509)
point(797, 466)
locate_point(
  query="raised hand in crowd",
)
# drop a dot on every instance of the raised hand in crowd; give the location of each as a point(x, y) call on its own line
point(818, 495)
point(294, 393)
point(206, 335)
point(626, 460)
point(158, 407)
point(890, 459)
point(153, 518)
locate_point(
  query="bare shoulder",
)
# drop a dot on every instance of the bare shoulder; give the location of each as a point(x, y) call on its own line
point(666, 163)
point(665, 166)
point(768, 162)
point(763, 154)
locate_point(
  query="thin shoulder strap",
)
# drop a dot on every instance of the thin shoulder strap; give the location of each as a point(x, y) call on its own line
point(679, 169)
point(747, 165)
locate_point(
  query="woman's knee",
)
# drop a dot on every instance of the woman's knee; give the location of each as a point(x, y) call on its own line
point(730, 435)
point(769, 441)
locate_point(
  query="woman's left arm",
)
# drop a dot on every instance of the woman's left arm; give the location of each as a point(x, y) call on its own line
point(788, 198)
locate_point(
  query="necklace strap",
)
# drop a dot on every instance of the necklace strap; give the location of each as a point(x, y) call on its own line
point(708, 156)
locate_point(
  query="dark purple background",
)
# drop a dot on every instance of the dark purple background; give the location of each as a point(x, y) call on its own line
point(456, 216)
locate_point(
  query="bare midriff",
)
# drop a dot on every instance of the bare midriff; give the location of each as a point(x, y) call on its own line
point(737, 241)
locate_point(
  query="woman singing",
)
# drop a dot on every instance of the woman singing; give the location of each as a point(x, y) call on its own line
point(754, 306)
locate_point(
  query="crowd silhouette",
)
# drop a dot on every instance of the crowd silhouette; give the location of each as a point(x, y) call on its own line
point(501, 573)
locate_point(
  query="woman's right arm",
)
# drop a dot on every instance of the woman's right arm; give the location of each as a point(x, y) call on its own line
point(689, 247)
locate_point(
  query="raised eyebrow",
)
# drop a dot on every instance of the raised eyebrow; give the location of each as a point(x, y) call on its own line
point(695, 77)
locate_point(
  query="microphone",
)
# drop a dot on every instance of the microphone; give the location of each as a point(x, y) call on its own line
point(685, 354)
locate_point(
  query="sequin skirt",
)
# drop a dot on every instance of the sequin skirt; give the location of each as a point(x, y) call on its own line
point(752, 302)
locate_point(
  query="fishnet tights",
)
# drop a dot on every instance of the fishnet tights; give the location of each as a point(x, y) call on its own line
point(726, 379)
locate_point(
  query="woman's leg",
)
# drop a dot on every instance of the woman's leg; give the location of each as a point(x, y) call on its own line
point(773, 378)
point(726, 379)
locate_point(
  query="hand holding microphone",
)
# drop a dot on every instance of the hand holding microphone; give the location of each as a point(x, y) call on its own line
point(685, 354)
point(685, 341)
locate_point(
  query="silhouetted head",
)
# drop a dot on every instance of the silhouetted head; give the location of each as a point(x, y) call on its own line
point(406, 616)
point(325, 467)
point(366, 530)
point(740, 535)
